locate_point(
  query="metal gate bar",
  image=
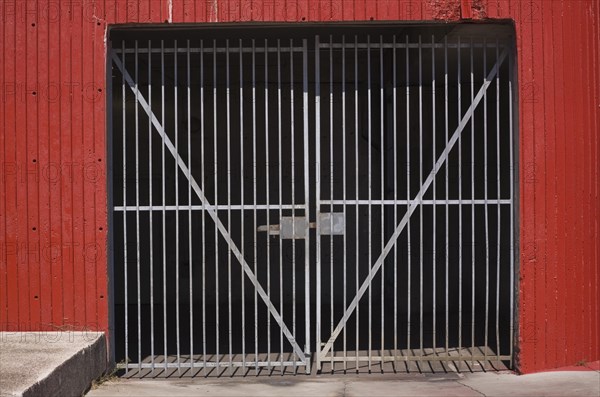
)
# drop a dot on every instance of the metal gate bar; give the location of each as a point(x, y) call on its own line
point(300, 356)
point(325, 350)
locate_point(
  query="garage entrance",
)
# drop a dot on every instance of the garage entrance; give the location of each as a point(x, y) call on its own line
point(337, 197)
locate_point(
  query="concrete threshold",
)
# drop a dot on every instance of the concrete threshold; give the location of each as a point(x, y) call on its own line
point(50, 363)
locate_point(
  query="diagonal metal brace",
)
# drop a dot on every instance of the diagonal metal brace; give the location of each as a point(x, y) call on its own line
point(415, 203)
point(210, 209)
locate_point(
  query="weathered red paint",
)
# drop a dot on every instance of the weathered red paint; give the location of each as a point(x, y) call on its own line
point(53, 216)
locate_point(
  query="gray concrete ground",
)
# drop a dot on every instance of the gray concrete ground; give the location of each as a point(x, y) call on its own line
point(50, 363)
point(568, 383)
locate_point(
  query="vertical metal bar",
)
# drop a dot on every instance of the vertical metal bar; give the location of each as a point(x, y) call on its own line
point(190, 238)
point(395, 132)
point(137, 214)
point(216, 231)
point(344, 179)
point(307, 347)
point(331, 192)
point(176, 170)
point(356, 173)
point(228, 115)
point(434, 206)
point(254, 200)
point(485, 179)
point(293, 171)
point(472, 205)
point(460, 237)
point(511, 80)
point(203, 163)
point(420, 197)
point(164, 201)
point(446, 247)
point(381, 137)
point(498, 196)
point(408, 198)
point(126, 290)
point(242, 211)
point(280, 166)
point(370, 186)
point(268, 191)
point(150, 214)
point(318, 190)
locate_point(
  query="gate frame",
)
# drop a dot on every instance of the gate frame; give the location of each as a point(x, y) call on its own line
point(512, 59)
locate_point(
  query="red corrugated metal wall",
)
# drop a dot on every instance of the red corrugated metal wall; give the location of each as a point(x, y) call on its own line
point(53, 193)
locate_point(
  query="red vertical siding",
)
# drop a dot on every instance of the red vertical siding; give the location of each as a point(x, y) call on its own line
point(53, 217)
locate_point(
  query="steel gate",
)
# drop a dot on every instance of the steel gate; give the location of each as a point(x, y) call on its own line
point(251, 175)
point(385, 137)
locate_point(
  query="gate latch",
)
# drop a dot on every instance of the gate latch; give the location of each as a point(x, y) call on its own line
point(291, 227)
point(332, 223)
point(296, 227)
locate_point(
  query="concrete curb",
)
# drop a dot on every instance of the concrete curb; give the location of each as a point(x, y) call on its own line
point(50, 363)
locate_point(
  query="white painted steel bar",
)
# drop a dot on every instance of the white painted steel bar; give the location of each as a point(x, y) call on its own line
point(125, 258)
point(408, 199)
point(331, 131)
point(224, 233)
point(472, 159)
point(215, 181)
point(189, 176)
point(485, 193)
point(381, 170)
point(370, 186)
point(203, 187)
point(318, 194)
point(248, 207)
point(344, 186)
point(254, 183)
point(267, 193)
point(424, 187)
point(137, 212)
point(395, 151)
point(150, 216)
point(220, 50)
point(434, 209)
point(234, 207)
point(363, 46)
point(460, 207)
point(498, 195)
point(176, 170)
point(307, 346)
point(212, 364)
point(164, 197)
point(293, 187)
point(446, 246)
point(357, 196)
point(228, 128)
point(420, 198)
point(324, 45)
point(405, 202)
point(242, 234)
point(513, 248)
point(280, 197)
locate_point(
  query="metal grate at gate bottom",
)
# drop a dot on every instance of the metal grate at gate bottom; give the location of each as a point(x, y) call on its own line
point(438, 361)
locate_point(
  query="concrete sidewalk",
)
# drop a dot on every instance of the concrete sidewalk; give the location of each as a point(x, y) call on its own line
point(567, 383)
point(50, 363)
